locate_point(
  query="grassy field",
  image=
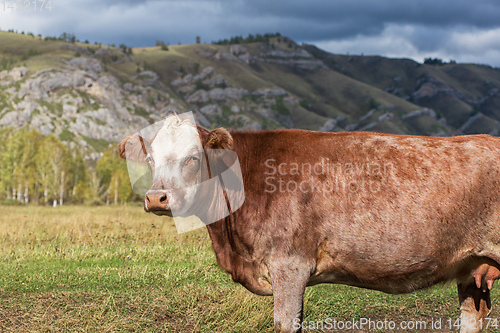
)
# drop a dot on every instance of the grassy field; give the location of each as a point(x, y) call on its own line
point(114, 268)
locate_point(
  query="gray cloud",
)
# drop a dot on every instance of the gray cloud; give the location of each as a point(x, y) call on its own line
point(407, 28)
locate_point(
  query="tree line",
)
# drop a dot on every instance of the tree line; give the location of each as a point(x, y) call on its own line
point(258, 38)
point(437, 61)
point(42, 170)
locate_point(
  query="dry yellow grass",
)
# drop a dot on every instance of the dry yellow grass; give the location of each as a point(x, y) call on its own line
point(115, 268)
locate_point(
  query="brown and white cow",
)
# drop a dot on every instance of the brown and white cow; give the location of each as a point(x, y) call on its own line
point(394, 213)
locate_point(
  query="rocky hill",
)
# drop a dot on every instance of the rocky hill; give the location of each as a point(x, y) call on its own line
point(90, 96)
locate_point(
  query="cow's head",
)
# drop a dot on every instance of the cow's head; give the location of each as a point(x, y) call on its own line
point(177, 161)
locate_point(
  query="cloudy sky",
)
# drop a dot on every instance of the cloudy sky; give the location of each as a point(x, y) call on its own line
point(462, 30)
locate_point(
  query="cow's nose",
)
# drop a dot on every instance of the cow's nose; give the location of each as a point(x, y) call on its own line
point(156, 200)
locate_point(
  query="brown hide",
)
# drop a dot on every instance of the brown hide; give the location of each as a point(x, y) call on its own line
point(430, 215)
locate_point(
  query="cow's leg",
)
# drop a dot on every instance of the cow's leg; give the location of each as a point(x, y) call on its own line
point(289, 283)
point(475, 304)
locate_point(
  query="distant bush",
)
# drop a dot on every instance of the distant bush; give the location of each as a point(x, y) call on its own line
point(12, 202)
point(29, 53)
point(7, 63)
point(373, 103)
point(433, 61)
point(162, 45)
point(280, 107)
point(182, 71)
point(67, 37)
point(125, 49)
point(305, 104)
point(94, 202)
point(200, 85)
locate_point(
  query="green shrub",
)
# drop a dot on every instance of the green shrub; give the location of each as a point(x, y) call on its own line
point(12, 202)
point(280, 107)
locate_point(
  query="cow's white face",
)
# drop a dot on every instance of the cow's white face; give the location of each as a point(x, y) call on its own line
point(175, 158)
point(177, 163)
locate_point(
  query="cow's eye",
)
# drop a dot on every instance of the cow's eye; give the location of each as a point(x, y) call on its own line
point(193, 159)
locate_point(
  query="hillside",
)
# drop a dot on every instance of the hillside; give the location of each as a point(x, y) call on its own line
point(466, 95)
point(90, 96)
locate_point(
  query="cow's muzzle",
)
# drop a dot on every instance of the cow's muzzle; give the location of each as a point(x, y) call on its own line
point(156, 202)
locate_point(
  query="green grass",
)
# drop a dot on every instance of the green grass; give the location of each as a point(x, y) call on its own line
point(116, 268)
point(99, 145)
point(66, 135)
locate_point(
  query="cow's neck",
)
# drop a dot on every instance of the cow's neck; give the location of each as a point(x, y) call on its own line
point(220, 232)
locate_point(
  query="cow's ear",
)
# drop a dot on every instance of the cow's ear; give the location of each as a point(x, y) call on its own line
point(134, 148)
point(219, 138)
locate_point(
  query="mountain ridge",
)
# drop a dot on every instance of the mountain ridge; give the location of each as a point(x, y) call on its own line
point(90, 96)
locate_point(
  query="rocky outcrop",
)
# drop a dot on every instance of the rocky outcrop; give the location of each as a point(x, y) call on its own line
point(200, 96)
point(418, 113)
point(286, 54)
point(101, 52)
point(241, 52)
point(16, 74)
point(83, 99)
point(329, 125)
point(189, 78)
point(298, 58)
point(149, 78)
point(309, 65)
point(86, 64)
point(187, 89)
point(429, 86)
point(219, 94)
point(471, 121)
point(237, 50)
point(388, 116)
point(185, 80)
point(269, 92)
point(244, 122)
point(211, 110)
point(215, 81)
point(221, 55)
